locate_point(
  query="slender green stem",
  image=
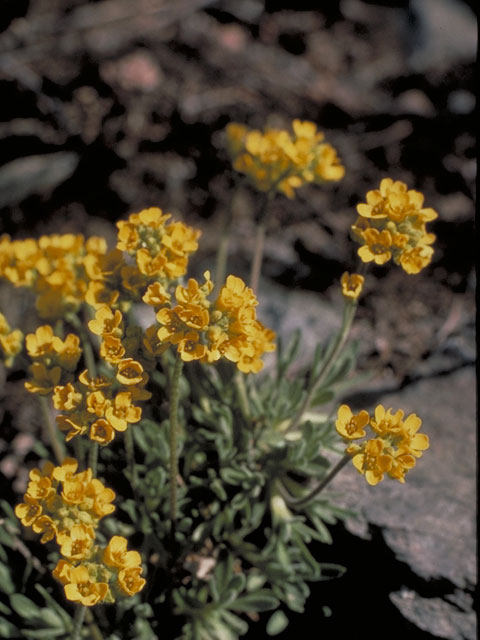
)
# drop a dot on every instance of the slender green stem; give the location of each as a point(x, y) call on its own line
point(241, 393)
point(222, 251)
point(78, 621)
point(92, 372)
point(86, 345)
point(259, 242)
point(78, 449)
point(301, 502)
point(342, 336)
point(257, 256)
point(93, 457)
point(95, 632)
point(174, 398)
point(130, 454)
point(57, 446)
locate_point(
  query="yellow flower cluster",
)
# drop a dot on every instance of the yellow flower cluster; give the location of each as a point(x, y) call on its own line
point(104, 405)
point(276, 160)
point(160, 252)
point(392, 224)
point(206, 332)
point(66, 270)
point(53, 358)
point(11, 342)
point(394, 448)
point(53, 266)
point(67, 505)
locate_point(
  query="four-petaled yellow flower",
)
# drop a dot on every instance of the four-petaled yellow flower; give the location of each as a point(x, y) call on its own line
point(352, 285)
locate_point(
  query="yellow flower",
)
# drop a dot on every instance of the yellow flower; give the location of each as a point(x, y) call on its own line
point(66, 470)
point(62, 571)
point(83, 589)
point(190, 348)
point(377, 246)
point(76, 543)
point(412, 442)
point(28, 511)
point(46, 526)
point(97, 403)
point(414, 260)
point(352, 285)
point(112, 349)
point(116, 554)
point(372, 462)
point(94, 384)
point(43, 380)
point(74, 487)
point(156, 295)
point(327, 166)
point(349, 425)
point(66, 398)
point(106, 322)
point(129, 580)
point(102, 498)
point(130, 372)
point(102, 432)
point(68, 351)
point(122, 412)
point(40, 343)
point(74, 428)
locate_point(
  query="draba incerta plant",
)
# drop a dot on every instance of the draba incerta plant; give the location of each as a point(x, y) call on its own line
point(219, 469)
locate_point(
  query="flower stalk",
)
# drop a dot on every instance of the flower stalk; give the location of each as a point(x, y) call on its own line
point(301, 502)
point(349, 309)
point(174, 399)
point(57, 446)
point(78, 621)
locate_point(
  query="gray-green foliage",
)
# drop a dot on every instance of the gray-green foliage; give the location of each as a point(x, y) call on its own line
point(242, 546)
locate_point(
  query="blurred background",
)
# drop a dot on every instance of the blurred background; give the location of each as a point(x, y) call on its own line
point(110, 106)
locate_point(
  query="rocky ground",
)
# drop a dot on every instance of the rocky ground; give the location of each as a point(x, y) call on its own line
point(111, 106)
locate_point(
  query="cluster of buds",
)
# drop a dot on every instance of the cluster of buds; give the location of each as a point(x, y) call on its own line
point(276, 160)
point(63, 504)
point(53, 266)
point(11, 342)
point(393, 449)
point(54, 359)
point(207, 331)
point(392, 224)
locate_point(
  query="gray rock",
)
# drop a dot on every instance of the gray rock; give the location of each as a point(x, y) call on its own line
point(436, 616)
point(444, 33)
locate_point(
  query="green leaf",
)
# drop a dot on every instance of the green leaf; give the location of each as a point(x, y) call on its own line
point(262, 600)
point(7, 629)
point(277, 623)
point(6, 584)
point(25, 608)
point(322, 396)
point(237, 624)
point(53, 604)
point(39, 634)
